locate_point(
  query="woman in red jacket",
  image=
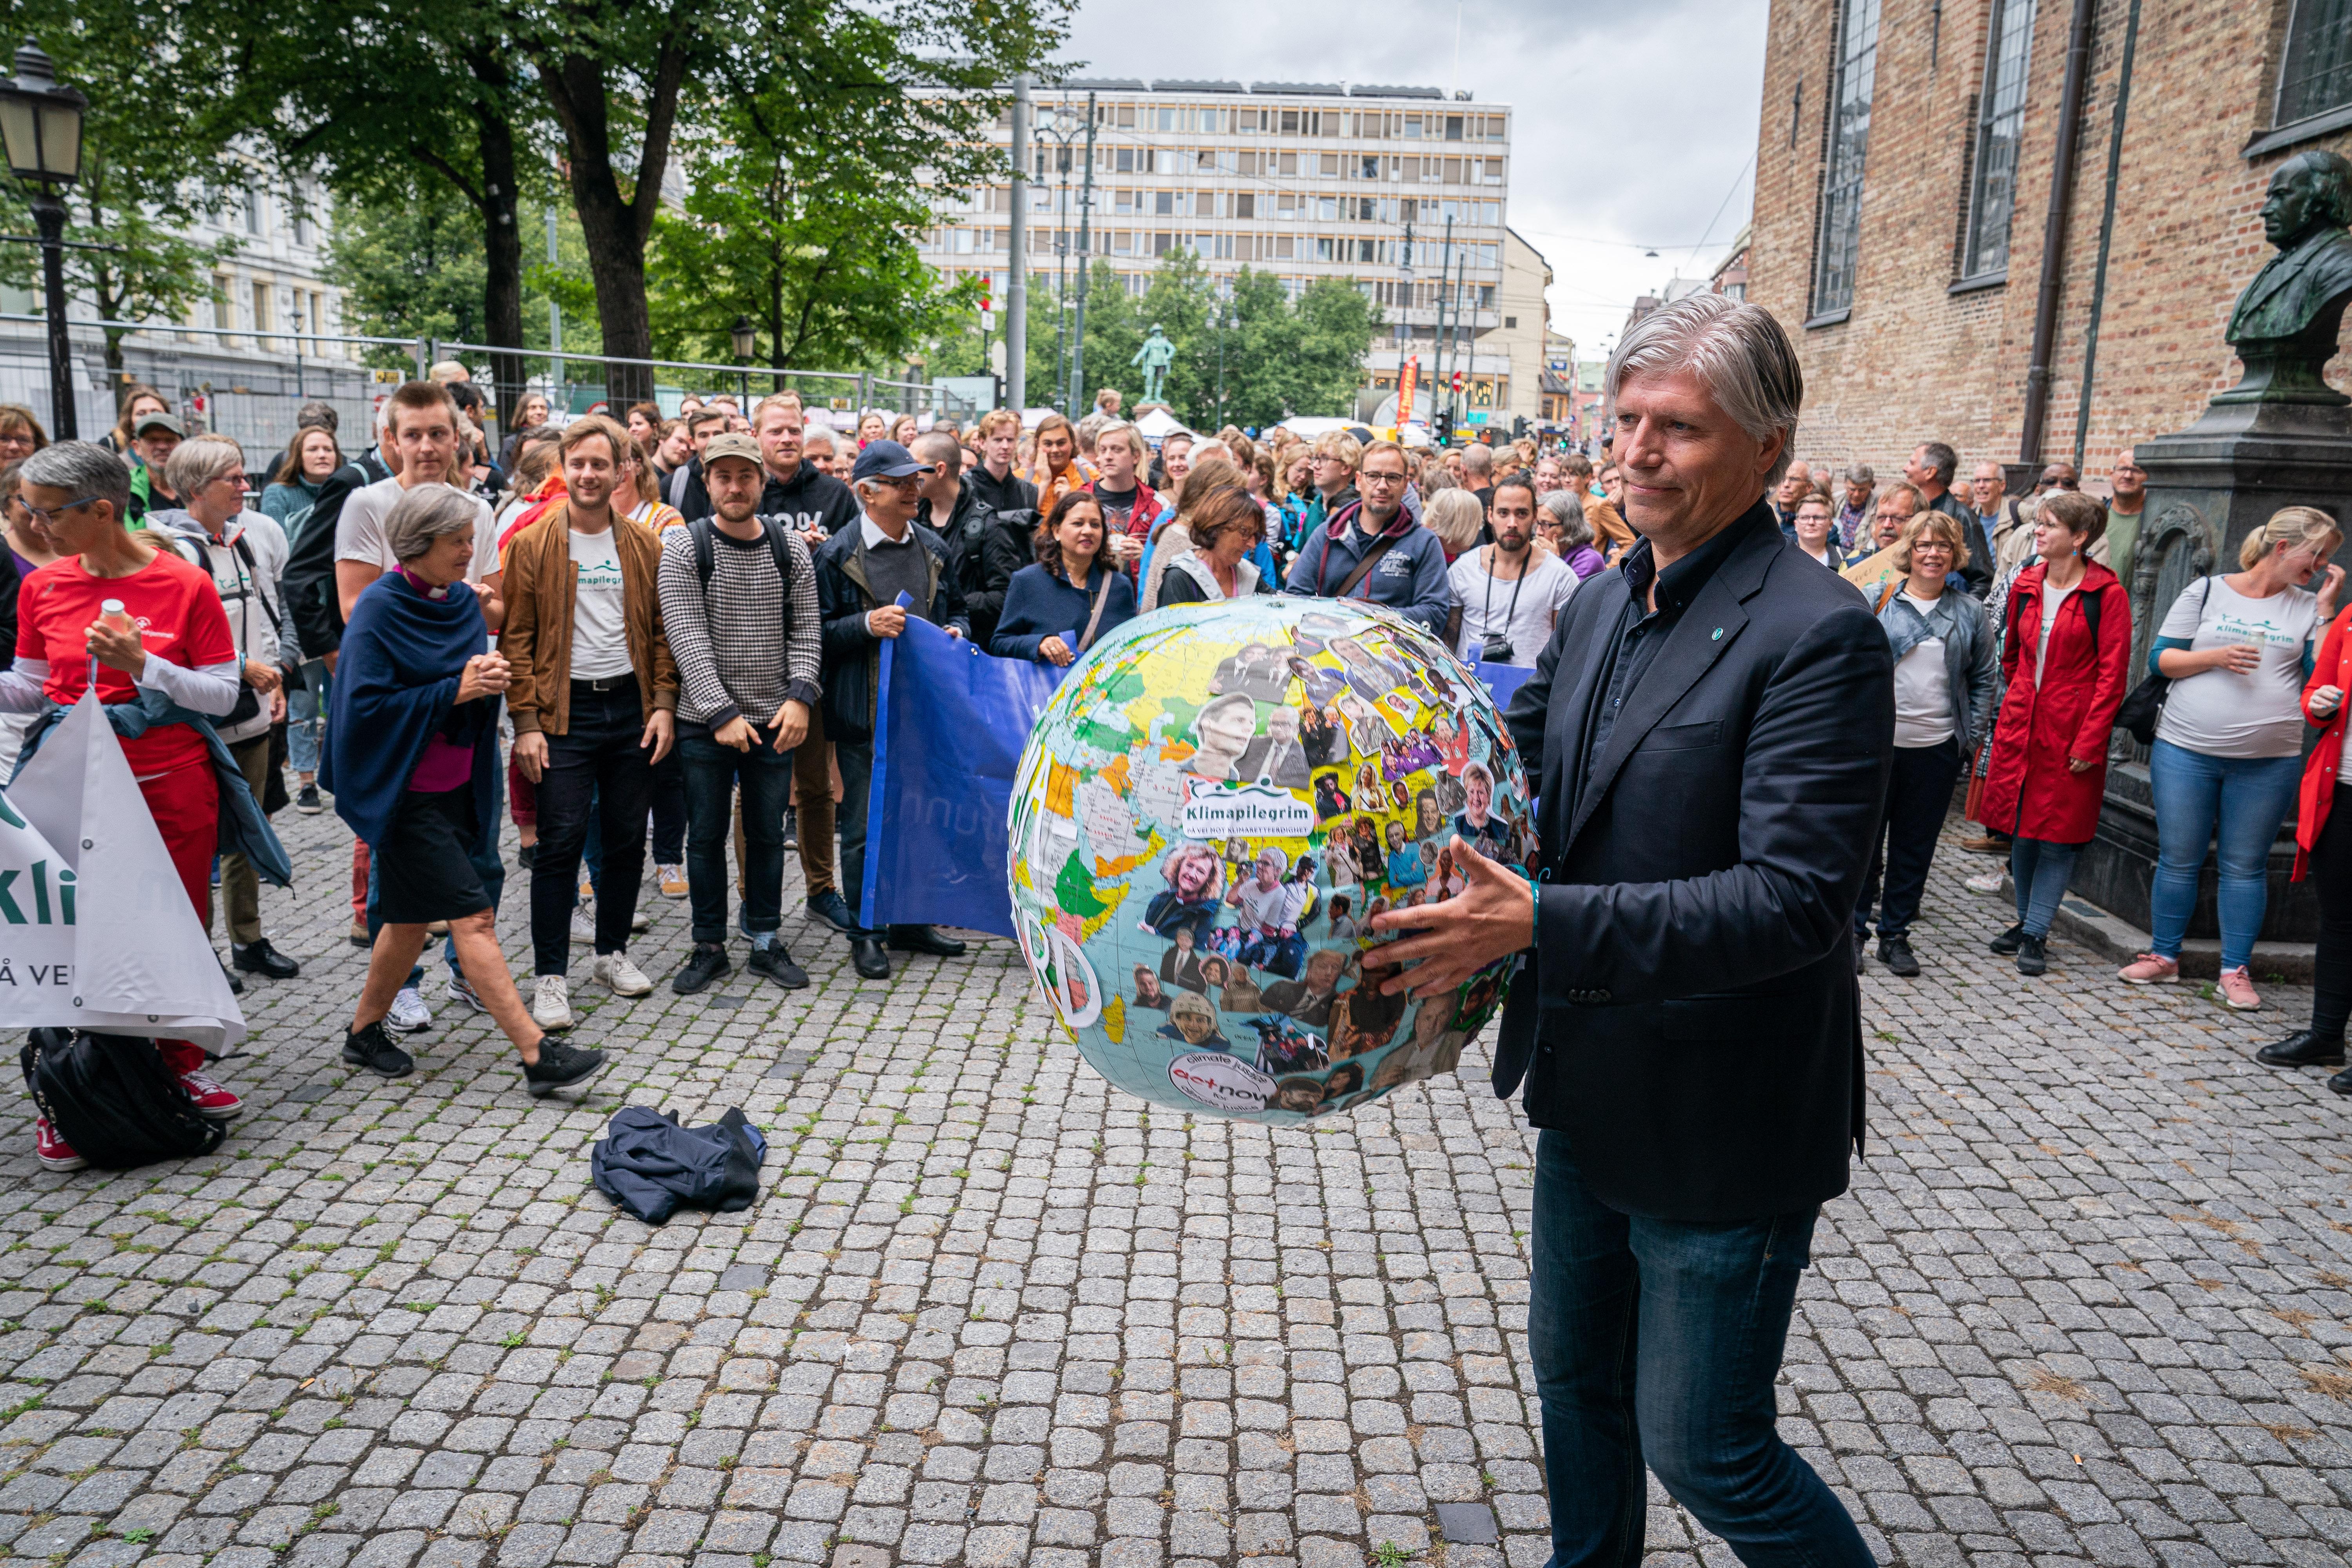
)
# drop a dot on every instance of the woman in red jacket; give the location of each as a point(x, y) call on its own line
point(2323, 850)
point(2065, 653)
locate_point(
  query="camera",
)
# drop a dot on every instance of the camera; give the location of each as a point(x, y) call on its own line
point(1497, 649)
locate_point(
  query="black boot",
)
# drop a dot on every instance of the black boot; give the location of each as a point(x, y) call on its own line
point(1895, 954)
point(2303, 1049)
point(925, 939)
point(2341, 1082)
point(2032, 954)
point(2006, 942)
point(865, 955)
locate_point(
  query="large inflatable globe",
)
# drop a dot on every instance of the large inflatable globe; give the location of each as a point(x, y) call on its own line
point(1211, 810)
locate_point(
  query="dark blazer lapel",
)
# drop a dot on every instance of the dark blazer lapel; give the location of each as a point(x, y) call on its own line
point(1711, 625)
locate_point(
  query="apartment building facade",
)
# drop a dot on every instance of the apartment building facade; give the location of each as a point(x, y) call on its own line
point(1384, 188)
point(248, 351)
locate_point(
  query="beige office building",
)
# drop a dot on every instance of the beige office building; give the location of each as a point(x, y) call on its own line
point(1302, 180)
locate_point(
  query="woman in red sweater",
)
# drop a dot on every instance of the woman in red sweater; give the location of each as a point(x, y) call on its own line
point(2065, 653)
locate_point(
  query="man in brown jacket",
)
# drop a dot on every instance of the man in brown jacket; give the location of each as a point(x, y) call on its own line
point(594, 699)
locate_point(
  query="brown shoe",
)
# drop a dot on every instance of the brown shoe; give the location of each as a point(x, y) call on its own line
point(1990, 844)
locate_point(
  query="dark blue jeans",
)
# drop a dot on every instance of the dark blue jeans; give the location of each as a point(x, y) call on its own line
point(1656, 1342)
point(1919, 797)
point(596, 765)
point(712, 774)
point(2039, 870)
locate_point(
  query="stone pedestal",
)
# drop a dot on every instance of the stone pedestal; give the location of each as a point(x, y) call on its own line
point(2258, 448)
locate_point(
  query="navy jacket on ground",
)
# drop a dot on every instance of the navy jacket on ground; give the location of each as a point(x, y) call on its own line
point(651, 1167)
point(1688, 1015)
point(1409, 579)
point(1042, 604)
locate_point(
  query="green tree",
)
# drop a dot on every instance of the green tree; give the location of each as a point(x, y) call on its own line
point(622, 77)
point(803, 213)
point(151, 169)
point(414, 266)
point(393, 100)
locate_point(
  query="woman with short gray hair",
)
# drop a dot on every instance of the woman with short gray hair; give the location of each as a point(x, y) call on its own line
point(411, 759)
point(1560, 518)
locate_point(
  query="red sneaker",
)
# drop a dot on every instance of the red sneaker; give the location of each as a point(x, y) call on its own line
point(54, 1153)
point(212, 1100)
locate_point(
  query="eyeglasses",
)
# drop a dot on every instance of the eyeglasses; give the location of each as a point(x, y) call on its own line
point(43, 515)
point(1372, 479)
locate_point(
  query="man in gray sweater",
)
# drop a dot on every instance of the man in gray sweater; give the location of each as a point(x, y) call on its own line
point(739, 600)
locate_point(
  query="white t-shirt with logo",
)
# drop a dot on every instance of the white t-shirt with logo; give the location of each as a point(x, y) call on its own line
point(2223, 714)
point(600, 633)
point(1923, 689)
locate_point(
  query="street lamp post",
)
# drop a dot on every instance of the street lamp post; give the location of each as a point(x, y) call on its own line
point(41, 125)
point(744, 339)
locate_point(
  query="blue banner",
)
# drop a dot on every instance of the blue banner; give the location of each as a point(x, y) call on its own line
point(950, 723)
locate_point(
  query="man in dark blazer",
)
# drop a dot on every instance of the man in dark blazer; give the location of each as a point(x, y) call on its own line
point(1712, 728)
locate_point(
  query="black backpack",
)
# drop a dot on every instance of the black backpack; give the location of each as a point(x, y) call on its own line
point(705, 561)
point(112, 1099)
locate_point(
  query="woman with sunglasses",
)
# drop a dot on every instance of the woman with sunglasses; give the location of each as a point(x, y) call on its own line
point(2229, 749)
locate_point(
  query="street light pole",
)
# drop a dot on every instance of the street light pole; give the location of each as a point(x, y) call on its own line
point(40, 124)
point(1085, 256)
point(49, 218)
point(1016, 283)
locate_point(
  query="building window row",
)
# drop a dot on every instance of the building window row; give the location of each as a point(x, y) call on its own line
point(1252, 163)
point(1229, 120)
point(1360, 250)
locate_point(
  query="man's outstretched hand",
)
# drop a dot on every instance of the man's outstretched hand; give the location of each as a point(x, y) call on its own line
point(1493, 917)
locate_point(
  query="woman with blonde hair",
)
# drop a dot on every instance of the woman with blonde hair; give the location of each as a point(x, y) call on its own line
point(1456, 518)
point(2227, 752)
point(21, 435)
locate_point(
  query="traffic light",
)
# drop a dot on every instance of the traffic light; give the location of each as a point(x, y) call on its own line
point(987, 315)
point(1444, 428)
point(1520, 427)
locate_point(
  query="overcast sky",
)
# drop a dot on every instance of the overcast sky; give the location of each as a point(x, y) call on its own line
point(1631, 126)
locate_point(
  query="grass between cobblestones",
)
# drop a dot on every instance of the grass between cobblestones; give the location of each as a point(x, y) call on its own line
point(2087, 1301)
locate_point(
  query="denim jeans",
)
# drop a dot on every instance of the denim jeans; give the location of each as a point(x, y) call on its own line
point(856, 779)
point(596, 768)
point(2040, 870)
point(305, 716)
point(669, 809)
point(712, 773)
point(1656, 1342)
point(2248, 797)
point(1919, 797)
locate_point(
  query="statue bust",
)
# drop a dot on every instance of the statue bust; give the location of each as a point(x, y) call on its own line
point(2284, 326)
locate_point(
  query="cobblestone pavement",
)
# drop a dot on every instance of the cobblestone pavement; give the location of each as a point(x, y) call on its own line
point(2086, 1302)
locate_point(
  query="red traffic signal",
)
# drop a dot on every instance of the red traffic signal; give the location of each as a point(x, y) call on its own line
point(1457, 382)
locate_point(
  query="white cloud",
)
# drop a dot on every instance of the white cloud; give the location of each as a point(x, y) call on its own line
point(1630, 125)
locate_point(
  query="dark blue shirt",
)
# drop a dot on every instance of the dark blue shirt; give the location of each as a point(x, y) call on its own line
point(1642, 631)
point(1039, 604)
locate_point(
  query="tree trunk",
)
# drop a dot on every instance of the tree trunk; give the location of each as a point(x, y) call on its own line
point(502, 277)
point(616, 226)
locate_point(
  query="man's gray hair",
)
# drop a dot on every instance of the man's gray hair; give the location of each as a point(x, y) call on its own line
point(1739, 354)
point(427, 513)
point(80, 469)
point(199, 460)
point(1478, 459)
point(1861, 474)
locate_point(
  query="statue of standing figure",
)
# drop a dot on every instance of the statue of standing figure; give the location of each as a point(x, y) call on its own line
point(1155, 357)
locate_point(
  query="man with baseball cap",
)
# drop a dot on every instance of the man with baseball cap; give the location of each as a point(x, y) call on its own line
point(739, 604)
point(860, 573)
point(154, 437)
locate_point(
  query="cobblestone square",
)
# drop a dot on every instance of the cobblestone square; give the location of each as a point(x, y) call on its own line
point(2087, 1301)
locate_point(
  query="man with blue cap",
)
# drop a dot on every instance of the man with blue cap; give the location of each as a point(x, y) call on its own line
point(861, 573)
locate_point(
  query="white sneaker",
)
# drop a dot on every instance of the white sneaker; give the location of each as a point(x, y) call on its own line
point(409, 1013)
point(621, 977)
point(1988, 883)
point(551, 1003)
point(637, 921)
point(583, 924)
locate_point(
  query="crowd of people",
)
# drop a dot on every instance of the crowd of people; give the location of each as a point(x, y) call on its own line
point(644, 640)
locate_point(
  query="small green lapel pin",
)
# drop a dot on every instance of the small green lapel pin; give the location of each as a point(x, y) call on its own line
point(1719, 634)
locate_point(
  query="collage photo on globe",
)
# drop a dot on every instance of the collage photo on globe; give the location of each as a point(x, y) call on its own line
point(1211, 810)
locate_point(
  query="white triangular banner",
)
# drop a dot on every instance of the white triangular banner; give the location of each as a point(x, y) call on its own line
point(96, 930)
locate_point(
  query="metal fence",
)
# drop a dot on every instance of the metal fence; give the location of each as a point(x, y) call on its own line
point(250, 383)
